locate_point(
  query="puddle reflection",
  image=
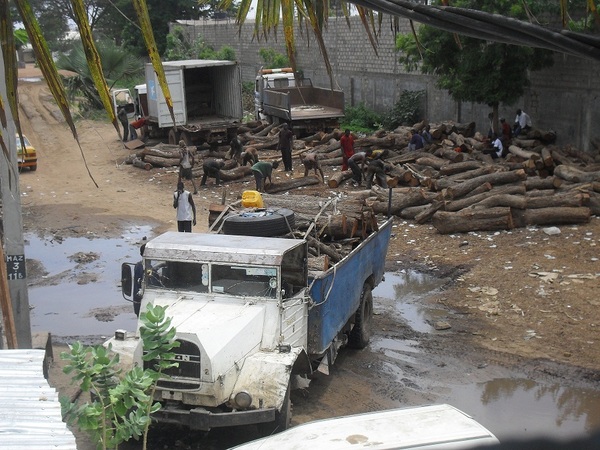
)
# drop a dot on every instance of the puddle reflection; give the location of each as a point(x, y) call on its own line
point(78, 292)
point(512, 408)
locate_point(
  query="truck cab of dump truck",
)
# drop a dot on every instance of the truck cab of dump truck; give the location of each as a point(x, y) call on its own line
point(239, 307)
point(270, 78)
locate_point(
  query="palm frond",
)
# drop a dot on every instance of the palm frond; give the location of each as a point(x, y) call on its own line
point(144, 20)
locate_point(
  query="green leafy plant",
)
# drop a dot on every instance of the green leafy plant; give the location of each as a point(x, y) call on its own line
point(360, 119)
point(179, 48)
point(406, 111)
point(273, 59)
point(122, 402)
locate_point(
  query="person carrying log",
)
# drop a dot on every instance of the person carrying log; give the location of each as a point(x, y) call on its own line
point(212, 168)
point(186, 163)
point(347, 143)
point(311, 161)
point(262, 171)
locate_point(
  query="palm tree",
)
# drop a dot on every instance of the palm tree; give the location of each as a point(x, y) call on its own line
point(117, 65)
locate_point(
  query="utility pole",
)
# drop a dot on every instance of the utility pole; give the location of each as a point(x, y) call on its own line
point(13, 223)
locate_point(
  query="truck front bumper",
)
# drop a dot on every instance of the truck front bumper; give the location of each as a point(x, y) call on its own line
point(204, 420)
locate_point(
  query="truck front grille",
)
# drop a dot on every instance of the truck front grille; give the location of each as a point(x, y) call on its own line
point(187, 374)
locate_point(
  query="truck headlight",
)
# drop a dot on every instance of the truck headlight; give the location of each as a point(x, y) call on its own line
point(243, 399)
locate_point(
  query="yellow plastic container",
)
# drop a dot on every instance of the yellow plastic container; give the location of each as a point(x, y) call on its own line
point(252, 199)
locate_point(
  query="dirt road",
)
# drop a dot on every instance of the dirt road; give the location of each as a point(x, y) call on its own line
point(522, 300)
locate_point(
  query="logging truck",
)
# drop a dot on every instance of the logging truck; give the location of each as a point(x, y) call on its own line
point(280, 96)
point(253, 316)
point(207, 102)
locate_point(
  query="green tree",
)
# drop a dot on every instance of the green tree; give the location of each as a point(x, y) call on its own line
point(273, 59)
point(472, 69)
point(178, 47)
point(121, 402)
point(118, 66)
point(120, 23)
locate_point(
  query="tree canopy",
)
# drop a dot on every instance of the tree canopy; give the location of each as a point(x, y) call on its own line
point(472, 69)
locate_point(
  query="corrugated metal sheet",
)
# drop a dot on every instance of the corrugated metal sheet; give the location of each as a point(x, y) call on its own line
point(30, 416)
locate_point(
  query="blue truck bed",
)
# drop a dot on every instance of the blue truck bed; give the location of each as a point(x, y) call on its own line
point(337, 291)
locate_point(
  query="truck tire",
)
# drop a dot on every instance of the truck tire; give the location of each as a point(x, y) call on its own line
point(360, 335)
point(263, 223)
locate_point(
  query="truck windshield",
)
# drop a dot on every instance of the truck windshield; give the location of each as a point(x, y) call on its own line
point(176, 275)
point(245, 281)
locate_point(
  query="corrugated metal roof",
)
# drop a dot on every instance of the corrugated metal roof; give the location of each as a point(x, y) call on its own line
point(30, 416)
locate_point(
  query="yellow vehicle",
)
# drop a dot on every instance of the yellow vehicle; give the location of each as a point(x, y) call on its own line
point(26, 157)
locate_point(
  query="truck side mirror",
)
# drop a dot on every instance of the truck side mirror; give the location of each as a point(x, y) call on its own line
point(127, 281)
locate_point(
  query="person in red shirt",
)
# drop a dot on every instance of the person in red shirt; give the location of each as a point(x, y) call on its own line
point(347, 142)
point(506, 131)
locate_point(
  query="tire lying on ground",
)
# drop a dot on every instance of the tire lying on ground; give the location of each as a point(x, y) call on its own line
point(264, 222)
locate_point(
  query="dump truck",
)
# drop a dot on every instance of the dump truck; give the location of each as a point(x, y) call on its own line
point(281, 96)
point(207, 102)
point(252, 316)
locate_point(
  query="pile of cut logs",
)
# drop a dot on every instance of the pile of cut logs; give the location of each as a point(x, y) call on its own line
point(450, 182)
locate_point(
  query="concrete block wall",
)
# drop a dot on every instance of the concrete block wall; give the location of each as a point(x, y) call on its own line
point(563, 98)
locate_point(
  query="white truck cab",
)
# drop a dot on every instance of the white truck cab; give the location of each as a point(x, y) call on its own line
point(267, 79)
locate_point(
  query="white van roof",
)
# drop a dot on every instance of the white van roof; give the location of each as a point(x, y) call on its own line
point(425, 427)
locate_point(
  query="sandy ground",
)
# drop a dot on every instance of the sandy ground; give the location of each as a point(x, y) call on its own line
point(519, 299)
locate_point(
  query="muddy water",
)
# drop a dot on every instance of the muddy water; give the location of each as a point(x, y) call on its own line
point(75, 293)
point(74, 289)
point(510, 406)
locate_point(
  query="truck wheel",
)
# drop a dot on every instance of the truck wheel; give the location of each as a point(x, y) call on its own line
point(361, 332)
point(283, 417)
point(173, 137)
point(261, 223)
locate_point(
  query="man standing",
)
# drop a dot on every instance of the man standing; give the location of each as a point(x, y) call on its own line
point(506, 131)
point(347, 143)
point(522, 123)
point(212, 168)
point(186, 210)
point(262, 171)
point(285, 145)
point(186, 162)
point(122, 116)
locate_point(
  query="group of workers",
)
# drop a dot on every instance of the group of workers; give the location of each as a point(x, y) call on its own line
point(500, 141)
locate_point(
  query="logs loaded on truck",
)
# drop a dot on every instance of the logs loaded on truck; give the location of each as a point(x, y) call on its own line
point(254, 313)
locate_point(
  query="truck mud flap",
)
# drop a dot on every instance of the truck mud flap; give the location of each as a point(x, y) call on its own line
point(204, 420)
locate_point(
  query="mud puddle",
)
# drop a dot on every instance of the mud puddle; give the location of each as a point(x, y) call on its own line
point(74, 283)
point(507, 403)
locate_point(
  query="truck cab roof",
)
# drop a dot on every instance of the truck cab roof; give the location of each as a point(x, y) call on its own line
point(224, 248)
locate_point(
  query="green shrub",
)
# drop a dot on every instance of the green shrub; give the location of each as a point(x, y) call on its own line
point(406, 111)
point(122, 403)
point(360, 119)
point(273, 59)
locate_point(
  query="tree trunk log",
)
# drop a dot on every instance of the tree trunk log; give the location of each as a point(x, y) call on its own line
point(559, 200)
point(575, 175)
point(157, 161)
point(400, 201)
point(338, 178)
point(551, 216)
point(517, 151)
point(137, 162)
point(532, 183)
point(473, 220)
point(459, 167)
point(293, 184)
point(457, 205)
point(456, 179)
point(493, 178)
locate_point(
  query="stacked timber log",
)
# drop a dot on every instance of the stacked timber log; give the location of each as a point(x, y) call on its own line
point(451, 183)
